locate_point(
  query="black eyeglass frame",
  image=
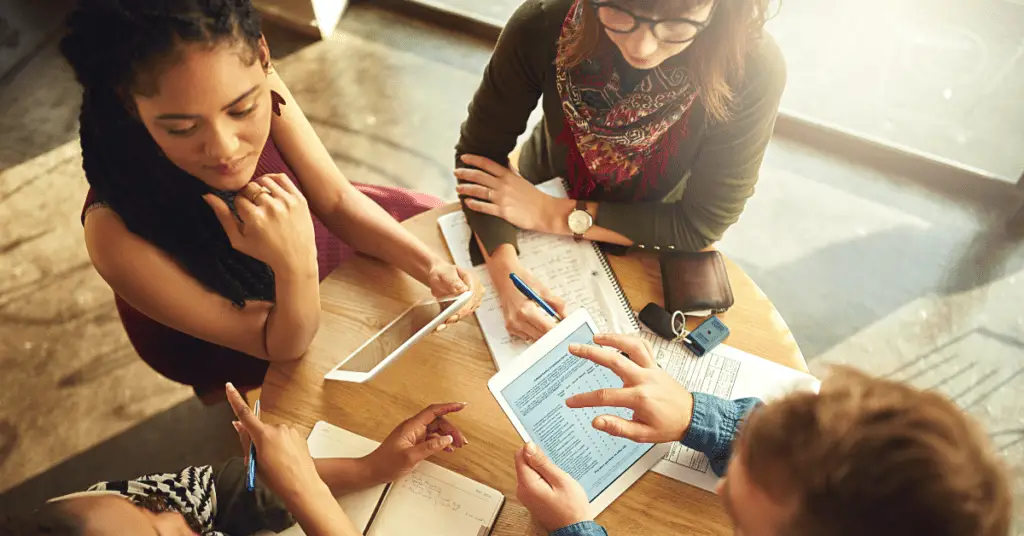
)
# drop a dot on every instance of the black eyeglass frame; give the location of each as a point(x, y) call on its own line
point(653, 23)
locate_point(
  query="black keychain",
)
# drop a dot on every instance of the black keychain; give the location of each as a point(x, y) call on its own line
point(709, 334)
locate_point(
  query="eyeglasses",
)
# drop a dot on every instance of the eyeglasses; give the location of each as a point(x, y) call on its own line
point(618, 19)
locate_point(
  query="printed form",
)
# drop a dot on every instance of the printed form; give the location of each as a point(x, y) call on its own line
point(726, 373)
point(567, 436)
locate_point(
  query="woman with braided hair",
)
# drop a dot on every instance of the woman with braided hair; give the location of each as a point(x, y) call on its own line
point(214, 209)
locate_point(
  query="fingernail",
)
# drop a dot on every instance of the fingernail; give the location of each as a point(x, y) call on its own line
point(455, 318)
point(600, 422)
point(574, 347)
point(230, 386)
point(447, 440)
point(531, 449)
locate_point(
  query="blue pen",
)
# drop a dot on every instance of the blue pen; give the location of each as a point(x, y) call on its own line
point(529, 293)
point(250, 477)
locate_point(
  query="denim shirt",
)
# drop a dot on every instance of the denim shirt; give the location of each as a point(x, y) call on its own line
point(714, 425)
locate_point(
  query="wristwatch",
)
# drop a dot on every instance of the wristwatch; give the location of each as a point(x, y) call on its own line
point(580, 221)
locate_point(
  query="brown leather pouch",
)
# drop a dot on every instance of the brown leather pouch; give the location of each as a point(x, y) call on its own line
point(696, 282)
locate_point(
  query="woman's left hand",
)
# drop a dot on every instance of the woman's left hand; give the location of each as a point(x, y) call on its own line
point(418, 438)
point(446, 280)
point(501, 192)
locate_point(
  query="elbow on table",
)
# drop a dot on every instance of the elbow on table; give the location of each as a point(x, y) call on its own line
point(292, 350)
point(285, 356)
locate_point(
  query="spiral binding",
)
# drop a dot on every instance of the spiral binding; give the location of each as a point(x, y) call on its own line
point(603, 259)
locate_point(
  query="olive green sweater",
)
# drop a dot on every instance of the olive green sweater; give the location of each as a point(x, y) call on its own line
point(709, 177)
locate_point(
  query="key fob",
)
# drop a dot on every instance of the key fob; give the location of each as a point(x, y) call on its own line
point(709, 334)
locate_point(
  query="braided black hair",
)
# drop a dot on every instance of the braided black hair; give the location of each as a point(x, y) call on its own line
point(111, 44)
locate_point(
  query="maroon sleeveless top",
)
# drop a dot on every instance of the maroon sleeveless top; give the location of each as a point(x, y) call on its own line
point(207, 366)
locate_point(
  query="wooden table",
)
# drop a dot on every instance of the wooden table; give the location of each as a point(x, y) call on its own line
point(454, 365)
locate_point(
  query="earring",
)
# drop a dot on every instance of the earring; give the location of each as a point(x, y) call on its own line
point(276, 100)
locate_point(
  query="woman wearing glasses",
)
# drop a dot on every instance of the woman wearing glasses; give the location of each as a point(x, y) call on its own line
point(657, 112)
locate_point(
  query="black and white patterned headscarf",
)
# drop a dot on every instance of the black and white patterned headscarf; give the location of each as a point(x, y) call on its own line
point(191, 493)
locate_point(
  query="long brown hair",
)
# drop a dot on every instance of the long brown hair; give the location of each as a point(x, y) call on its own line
point(716, 55)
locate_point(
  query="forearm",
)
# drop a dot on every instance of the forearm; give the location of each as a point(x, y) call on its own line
point(319, 514)
point(295, 317)
point(503, 261)
point(346, 475)
point(491, 232)
point(557, 222)
point(714, 426)
point(674, 226)
point(367, 227)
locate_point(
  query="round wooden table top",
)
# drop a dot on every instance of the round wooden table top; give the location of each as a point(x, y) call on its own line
point(364, 294)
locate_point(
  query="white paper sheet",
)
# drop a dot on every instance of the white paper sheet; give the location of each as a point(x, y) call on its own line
point(727, 373)
point(430, 500)
point(572, 270)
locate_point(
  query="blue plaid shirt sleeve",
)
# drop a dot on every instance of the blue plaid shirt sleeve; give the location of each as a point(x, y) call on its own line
point(714, 426)
point(584, 528)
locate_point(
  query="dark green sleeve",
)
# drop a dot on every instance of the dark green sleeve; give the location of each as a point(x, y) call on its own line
point(511, 86)
point(240, 511)
point(723, 173)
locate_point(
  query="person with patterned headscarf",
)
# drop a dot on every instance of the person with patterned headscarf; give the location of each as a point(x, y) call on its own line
point(291, 487)
point(657, 114)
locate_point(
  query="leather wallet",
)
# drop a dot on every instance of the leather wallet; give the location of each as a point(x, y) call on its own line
point(696, 282)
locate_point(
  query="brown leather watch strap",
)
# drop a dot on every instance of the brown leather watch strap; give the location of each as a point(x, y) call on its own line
point(581, 205)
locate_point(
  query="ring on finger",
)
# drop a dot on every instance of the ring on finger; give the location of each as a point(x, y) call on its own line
point(263, 190)
point(489, 194)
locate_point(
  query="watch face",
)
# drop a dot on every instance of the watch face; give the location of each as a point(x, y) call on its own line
point(580, 221)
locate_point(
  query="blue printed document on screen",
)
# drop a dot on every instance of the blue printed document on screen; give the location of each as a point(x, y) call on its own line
point(533, 391)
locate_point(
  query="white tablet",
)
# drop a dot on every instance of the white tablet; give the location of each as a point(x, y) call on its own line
point(395, 338)
point(532, 390)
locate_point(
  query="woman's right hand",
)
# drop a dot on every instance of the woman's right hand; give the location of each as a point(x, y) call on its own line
point(283, 458)
point(523, 317)
point(275, 225)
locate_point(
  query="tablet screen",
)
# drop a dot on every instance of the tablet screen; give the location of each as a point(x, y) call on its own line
point(537, 397)
point(393, 336)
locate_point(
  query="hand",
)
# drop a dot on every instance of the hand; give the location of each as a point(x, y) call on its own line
point(445, 280)
point(283, 458)
point(555, 499)
point(275, 225)
point(418, 438)
point(662, 408)
point(523, 317)
point(501, 192)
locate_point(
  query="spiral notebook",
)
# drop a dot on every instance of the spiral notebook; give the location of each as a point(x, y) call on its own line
point(430, 500)
point(578, 272)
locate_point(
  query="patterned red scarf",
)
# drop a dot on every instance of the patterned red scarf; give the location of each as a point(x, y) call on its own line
point(612, 136)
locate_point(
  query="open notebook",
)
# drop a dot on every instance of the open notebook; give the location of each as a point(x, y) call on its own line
point(725, 372)
point(578, 272)
point(430, 500)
